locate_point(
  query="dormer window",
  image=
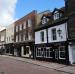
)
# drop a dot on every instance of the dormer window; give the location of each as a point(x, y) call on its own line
point(56, 15)
point(44, 20)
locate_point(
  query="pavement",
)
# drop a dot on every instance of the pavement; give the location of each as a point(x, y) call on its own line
point(55, 66)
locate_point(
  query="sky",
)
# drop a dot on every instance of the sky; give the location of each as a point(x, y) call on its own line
point(12, 10)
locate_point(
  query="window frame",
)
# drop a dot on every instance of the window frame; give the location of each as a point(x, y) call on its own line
point(61, 51)
point(29, 22)
point(54, 35)
point(24, 25)
point(42, 36)
point(17, 28)
point(20, 27)
point(56, 15)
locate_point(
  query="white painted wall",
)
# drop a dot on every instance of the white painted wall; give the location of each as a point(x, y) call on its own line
point(38, 38)
point(10, 33)
point(71, 54)
point(62, 27)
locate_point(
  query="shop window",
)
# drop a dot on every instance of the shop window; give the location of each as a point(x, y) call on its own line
point(24, 51)
point(56, 53)
point(42, 36)
point(44, 52)
point(49, 52)
point(39, 54)
point(54, 37)
point(27, 50)
point(62, 52)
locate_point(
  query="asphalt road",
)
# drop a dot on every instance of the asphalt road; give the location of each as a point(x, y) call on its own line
point(13, 66)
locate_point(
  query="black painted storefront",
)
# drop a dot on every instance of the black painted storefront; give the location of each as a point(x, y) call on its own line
point(54, 46)
point(18, 46)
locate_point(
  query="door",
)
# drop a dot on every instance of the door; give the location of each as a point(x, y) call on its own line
point(56, 55)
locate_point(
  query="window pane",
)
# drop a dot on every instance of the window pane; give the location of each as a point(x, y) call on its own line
point(62, 54)
point(25, 51)
point(44, 52)
point(62, 48)
point(42, 36)
point(51, 54)
point(56, 53)
point(54, 34)
point(29, 23)
point(24, 25)
point(47, 50)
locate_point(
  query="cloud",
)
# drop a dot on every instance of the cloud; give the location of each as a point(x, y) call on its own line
point(7, 11)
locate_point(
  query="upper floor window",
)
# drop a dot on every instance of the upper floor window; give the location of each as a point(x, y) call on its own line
point(16, 38)
point(7, 39)
point(20, 26)
point(54, 37)
point(56, 15)
point(29, 23)
point(17, 28)
point(24, 37)
point(42, 36)
point(44, 20)
point(29, 36)
point(24, 26)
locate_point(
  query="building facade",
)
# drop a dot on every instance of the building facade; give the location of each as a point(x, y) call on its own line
point(51, 37)
point(70, 12)
point(24, 35)
point(10, 39)
point(2, 39)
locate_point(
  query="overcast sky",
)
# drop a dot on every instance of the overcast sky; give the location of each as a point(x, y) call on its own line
point(10, 10)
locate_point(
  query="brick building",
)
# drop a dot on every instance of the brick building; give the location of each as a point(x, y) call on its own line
point(24, 35)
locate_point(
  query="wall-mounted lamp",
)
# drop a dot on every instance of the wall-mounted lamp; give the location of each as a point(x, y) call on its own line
point(59, 31)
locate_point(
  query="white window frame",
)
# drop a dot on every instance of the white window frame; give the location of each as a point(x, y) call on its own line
point(44, 20)
point(56, 15)
point(29, 23)
point(61, 51)
point(16, 38)
point(24, 25)
point(48, 48)
point(20, 26)
point(29, 36)
point(38, 48)
point(19, 37)
point(58, 54)
point(16, 28)
point(41, 36)
point(52, 34)
point(24, 36)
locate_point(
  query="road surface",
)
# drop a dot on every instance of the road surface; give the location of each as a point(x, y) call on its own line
point(13, 66)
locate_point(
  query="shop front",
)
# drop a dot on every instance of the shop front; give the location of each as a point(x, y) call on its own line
point(52, 52)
